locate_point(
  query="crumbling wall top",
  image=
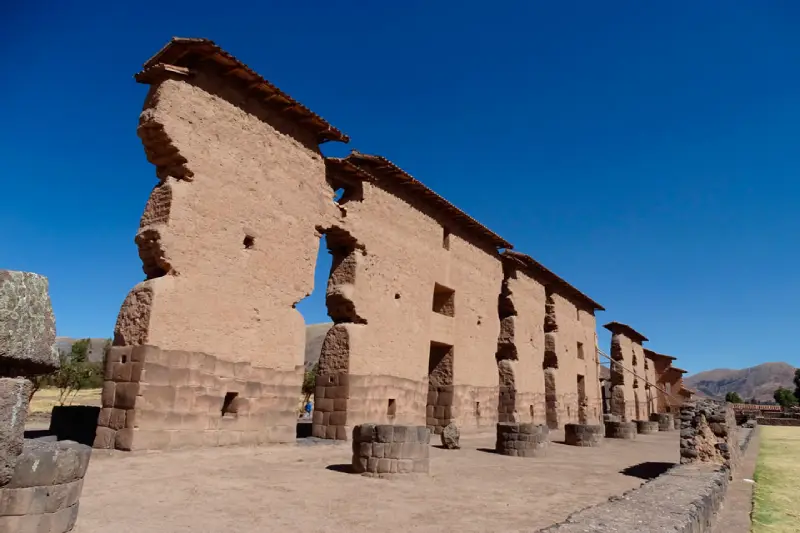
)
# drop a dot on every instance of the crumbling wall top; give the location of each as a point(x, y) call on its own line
point(625, 329)
point(181, 54)
point(27, 325)
point(660, 357)
point(550, 279)
point(380, 170)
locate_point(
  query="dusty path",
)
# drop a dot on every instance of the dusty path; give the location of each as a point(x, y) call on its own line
point(735, 514)
point(301, 488)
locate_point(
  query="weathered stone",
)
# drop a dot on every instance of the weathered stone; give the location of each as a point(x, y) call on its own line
point(14, 393)
point(646, 427)
point(583, 435)
point(450, 436)
point(27, 325)
point(620, 430)
point(664, 420)
point(530, 439)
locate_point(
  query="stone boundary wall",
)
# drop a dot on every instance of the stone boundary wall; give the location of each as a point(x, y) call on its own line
point(685, 499)
point(385, 449)
point(522, 440)
point(45, 488)
point(709, 433)
point(163, 399)
point(772, 421)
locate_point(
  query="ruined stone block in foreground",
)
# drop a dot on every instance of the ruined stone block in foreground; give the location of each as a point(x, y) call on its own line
point(27, 325)
point(583, 434)
point(14, 394)
point(384, 449)
point(522, 440)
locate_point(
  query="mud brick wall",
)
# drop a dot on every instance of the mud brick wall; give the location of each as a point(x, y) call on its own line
point(161, 399)
point(583, 435)
point(44, 490)
point(709, 433)
point(771, 421)
point(522, 440)
point(383, 449)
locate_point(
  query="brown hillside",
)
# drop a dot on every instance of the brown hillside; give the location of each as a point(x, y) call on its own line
point(757, 382)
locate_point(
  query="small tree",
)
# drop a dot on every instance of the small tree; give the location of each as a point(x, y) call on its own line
point(76, 372)
point(785, 397)
point(733, 397)
point(310, 382)
point(797, 384)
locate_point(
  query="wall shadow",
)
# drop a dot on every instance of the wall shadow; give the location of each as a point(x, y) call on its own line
point(647, 470)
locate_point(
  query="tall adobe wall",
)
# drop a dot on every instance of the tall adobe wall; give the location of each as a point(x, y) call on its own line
point(228, 242)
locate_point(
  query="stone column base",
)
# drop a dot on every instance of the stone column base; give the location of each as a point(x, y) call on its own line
point(583, 435)
point(665, 421)
point(522, 440)
point(646, 427)
point(380, 450)
point(620, 430)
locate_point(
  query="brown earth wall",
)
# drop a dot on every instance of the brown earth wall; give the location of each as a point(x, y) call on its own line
point(623, 399)
point(162, 399)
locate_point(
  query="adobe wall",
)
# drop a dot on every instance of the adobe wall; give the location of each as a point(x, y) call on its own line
point(622, 391)
point(576, 326)
point(398, 257)
point(651, 392)
point(228, 238)
point(639, 391)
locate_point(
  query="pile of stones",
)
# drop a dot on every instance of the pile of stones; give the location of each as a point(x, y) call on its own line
point(40, 479)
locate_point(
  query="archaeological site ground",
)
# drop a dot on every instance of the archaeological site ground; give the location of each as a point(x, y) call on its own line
point(460, 387)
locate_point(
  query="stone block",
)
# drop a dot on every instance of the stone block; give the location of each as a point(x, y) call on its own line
point(144, 353)
point(379, 449)
point(68, 464)
point(117, 419)
point(104, 438)
point(338, 418)
point(104, 419)
point(341, 432)
point(125, 395)
point(27, 346)
point(121, 372)
point(108, 394)
point(384, 466)
point(385, 433)
point(14, 394)
point(16, 501)
point(330, 432)
point(124, 439)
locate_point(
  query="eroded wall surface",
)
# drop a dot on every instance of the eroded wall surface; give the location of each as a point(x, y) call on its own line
point(228, 239)
point(623, 399)
point(640, 411)
point(399, 263)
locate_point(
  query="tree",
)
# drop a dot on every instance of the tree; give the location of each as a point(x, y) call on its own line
point(797, 384)
point(733, 397)
point(785, 397)
point(310, 382)
point(76, 372)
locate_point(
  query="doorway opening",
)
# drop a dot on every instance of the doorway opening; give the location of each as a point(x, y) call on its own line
point(439, 409)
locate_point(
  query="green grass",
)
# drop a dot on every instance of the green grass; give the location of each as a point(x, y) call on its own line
point(776, 499)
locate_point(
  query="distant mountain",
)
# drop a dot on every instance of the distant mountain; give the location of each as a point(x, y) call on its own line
point(315, 334)
point(757, 382)
point(96, 346)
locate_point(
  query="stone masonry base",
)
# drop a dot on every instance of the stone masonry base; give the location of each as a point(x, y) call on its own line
point(161, 399)
point(522, 440)
point(44, 491)
point(620, 430)
point(665, 421)
point(646, 427)
point(384, 449)
point(583, 435)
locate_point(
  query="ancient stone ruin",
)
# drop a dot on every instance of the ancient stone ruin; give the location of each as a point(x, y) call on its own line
point(40, 479)
point(436, 320)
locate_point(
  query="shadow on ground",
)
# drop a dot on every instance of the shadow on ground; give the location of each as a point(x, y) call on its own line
point(344, 468)
point(487, 450)
point(647, 470)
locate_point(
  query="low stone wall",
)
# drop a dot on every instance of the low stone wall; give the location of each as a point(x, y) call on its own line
point(620, 430)
point(762, 421)
point(386, 449)
point(684, 499)
point(522, 440)
point(665, 421)
point(583, 435)
point(709, 433)
point(45, 488)
point(646, 427)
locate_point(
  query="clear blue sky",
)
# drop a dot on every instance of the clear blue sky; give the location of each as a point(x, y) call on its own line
point(648, 152)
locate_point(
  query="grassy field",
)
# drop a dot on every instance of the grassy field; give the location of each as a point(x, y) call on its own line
point(776, 507)
point(44, 400)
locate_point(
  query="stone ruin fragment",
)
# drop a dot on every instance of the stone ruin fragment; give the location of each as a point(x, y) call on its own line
point(40, 479)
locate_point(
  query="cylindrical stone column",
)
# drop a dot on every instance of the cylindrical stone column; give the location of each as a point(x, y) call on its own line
point(664, 420)
point(583, 435)
point(382, 449)
point(676, 422)
point(620, 430)
point(646, 427)
point(521, 440)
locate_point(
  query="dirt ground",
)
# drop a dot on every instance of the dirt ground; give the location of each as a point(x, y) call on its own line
point(305, 487)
